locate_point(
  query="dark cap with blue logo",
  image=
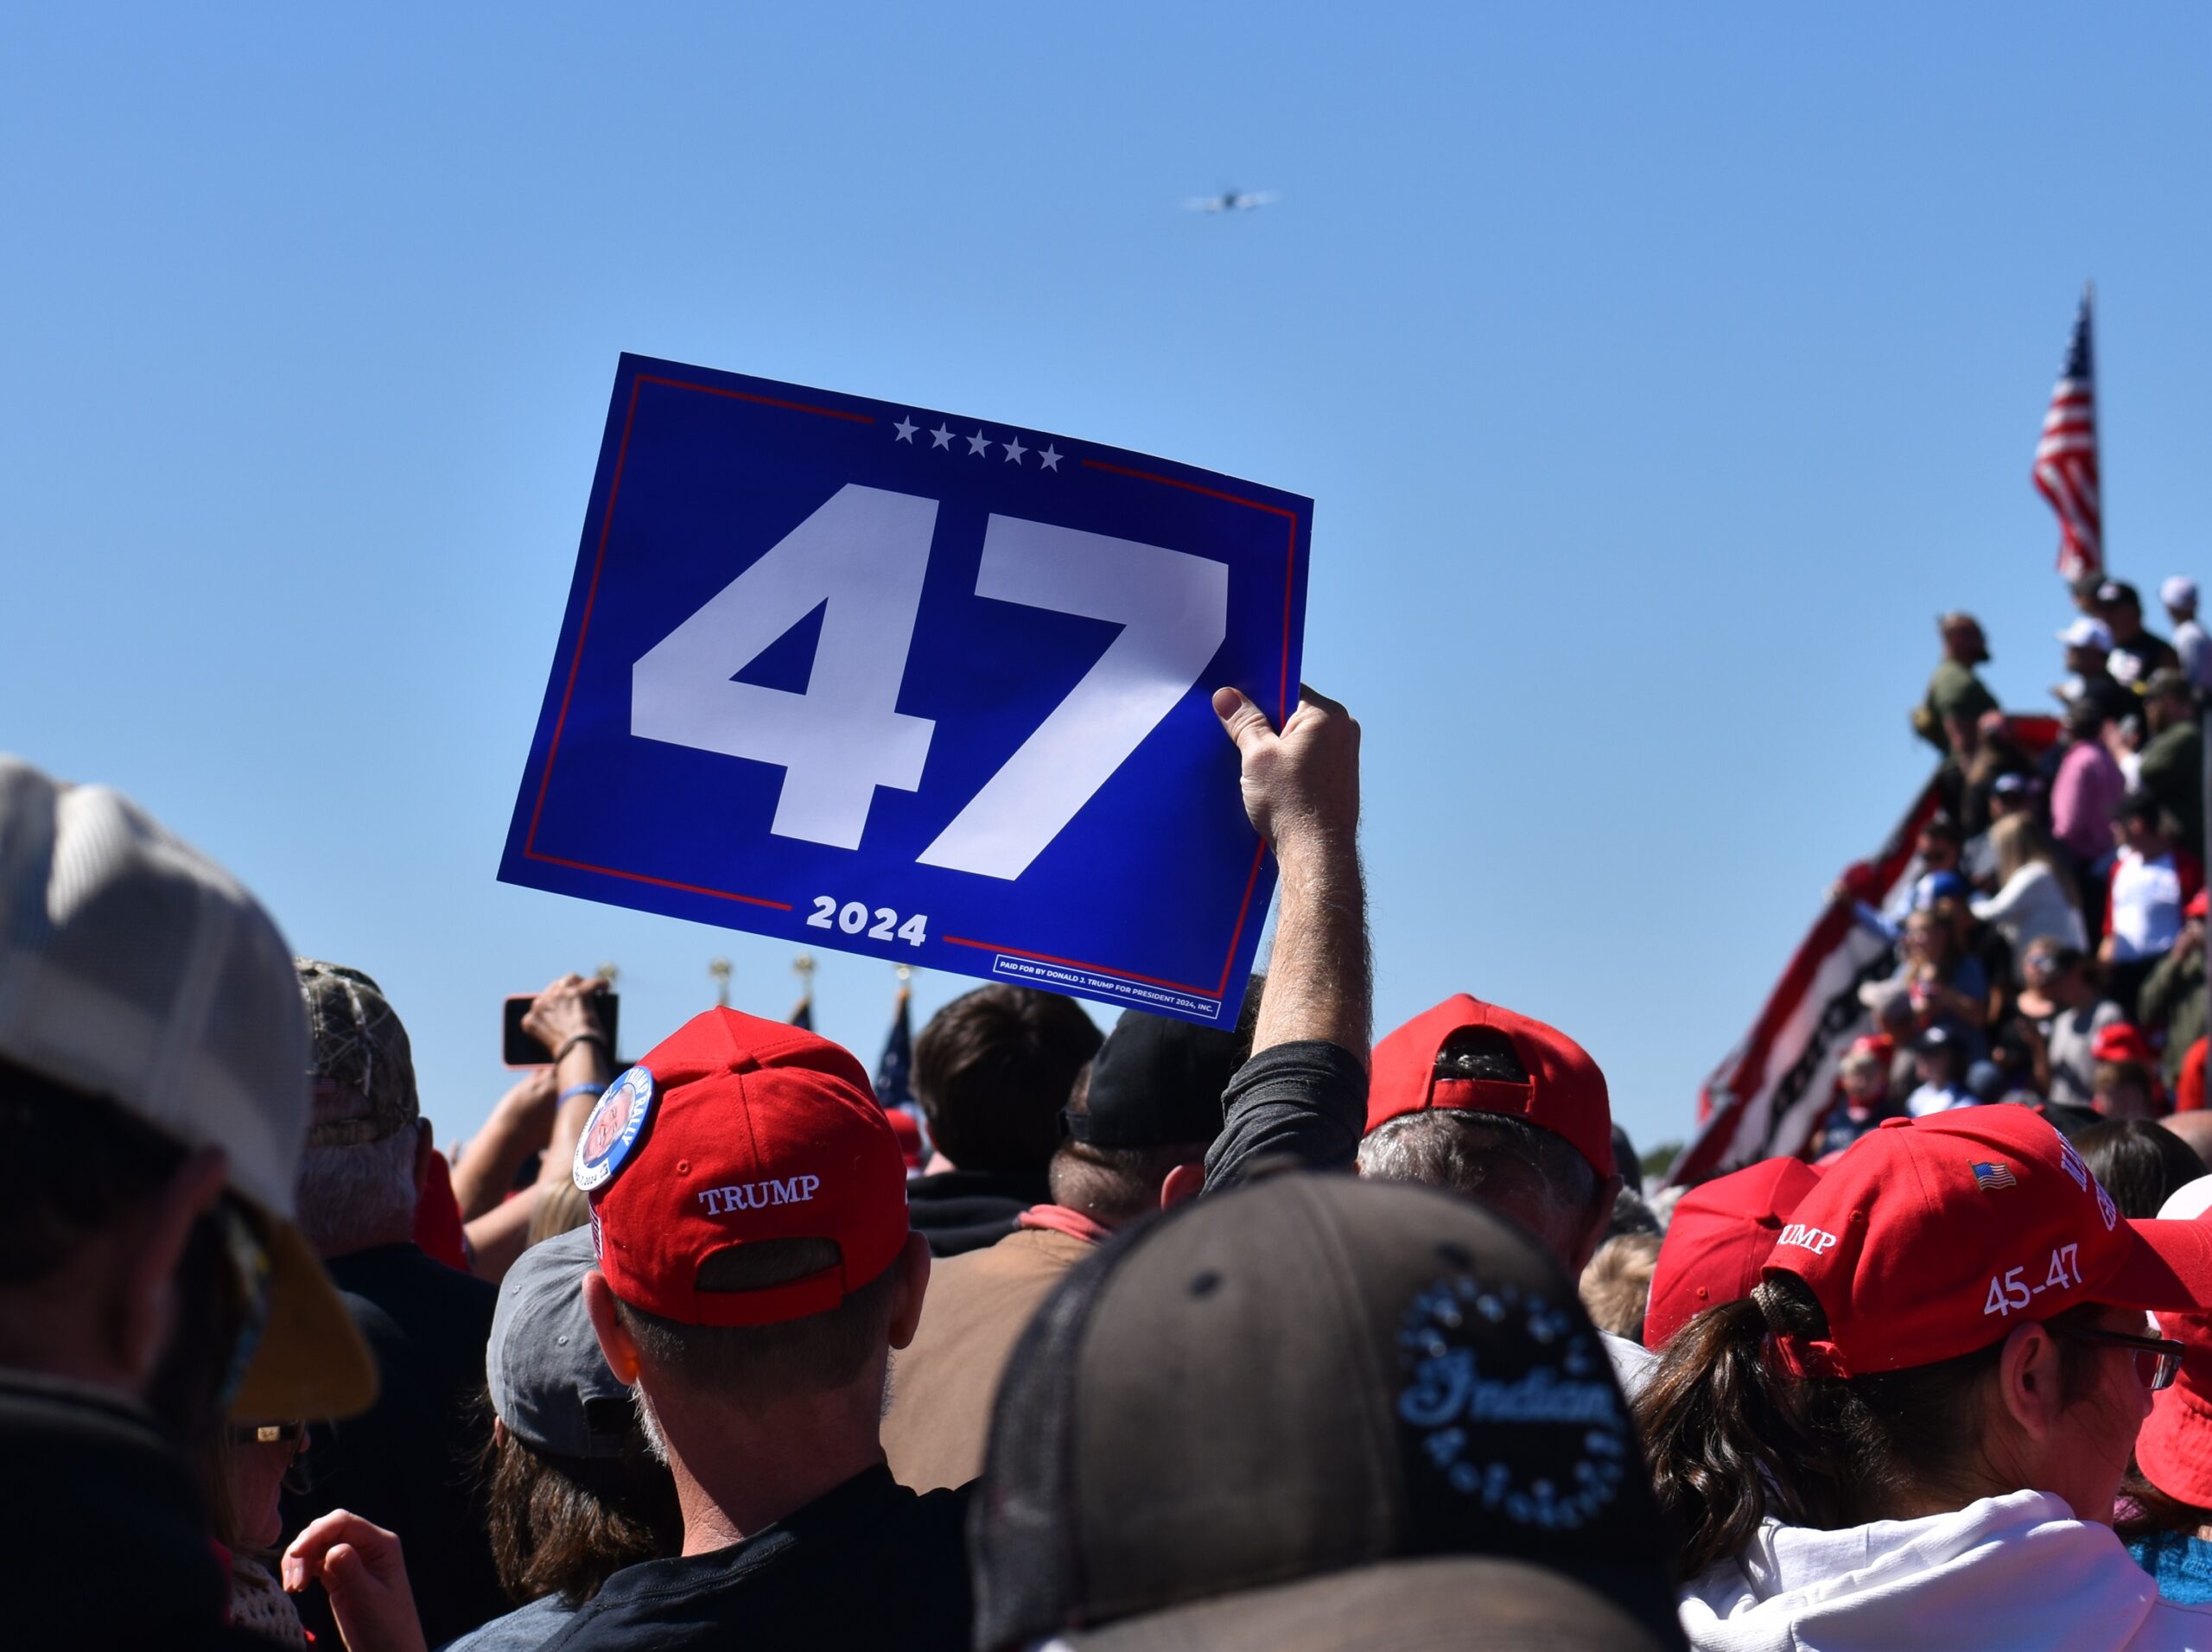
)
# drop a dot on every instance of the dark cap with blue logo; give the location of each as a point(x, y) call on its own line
point(1310, 1400)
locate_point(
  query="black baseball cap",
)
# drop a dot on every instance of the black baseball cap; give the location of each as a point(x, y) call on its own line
point(2139, 805)
point(1310, 1402)
point(1156, 1083)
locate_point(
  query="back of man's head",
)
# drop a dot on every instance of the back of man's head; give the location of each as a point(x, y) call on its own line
point(992, 1071)
point(361, 1175)
point(1499, 1109)
point(749, 1215)
point(152, 1103)
point(2195, 1129)
point(1150, 1102)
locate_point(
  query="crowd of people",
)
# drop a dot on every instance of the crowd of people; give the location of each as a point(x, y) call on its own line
point(1281, 1335)
point(2050, 931)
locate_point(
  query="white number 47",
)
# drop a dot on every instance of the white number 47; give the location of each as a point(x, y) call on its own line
point(863, 555)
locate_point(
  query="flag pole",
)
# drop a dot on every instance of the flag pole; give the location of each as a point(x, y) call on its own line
point(802, 1012)
point(2096, 403)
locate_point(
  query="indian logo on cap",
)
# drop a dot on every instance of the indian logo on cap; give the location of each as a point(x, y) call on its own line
point(612, 1132)
point(1543, 1441)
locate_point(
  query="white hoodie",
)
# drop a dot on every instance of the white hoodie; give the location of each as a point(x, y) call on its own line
point(2018, 1572)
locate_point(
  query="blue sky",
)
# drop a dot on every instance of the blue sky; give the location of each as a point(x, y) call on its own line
point(1658, 373)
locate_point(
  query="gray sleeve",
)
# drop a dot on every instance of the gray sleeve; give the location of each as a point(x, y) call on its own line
point(1306, 1102)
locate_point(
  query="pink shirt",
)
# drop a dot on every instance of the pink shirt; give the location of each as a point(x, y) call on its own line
point(2087, 790)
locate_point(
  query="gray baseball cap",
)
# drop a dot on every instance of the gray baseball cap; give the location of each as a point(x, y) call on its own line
point(550, 1383)
point(134, 968)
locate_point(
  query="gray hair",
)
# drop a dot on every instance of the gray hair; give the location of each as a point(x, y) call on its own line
point(354, 1197)
point(1454, 1148)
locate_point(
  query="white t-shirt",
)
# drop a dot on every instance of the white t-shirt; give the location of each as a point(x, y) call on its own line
point(2145, 906)
point(1938, 1098)
point(2194, 648)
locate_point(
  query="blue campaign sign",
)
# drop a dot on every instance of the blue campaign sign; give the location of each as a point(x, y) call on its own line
point(928, 687)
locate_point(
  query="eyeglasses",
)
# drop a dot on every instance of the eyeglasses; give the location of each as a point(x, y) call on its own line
point(270, 1434)
point(2157, 1361)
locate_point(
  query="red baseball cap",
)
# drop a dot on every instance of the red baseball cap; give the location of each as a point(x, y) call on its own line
point(1718, 1240)
point(2200, 904)
point(2174, 1446)
point(2121, 1041)
point(1929, 1237)
point(1564, 1093)
point(733, 1130)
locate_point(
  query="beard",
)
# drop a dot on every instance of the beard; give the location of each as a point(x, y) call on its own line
point(649, 1425)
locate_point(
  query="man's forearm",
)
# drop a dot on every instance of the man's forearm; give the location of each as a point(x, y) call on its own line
point(1319, 986)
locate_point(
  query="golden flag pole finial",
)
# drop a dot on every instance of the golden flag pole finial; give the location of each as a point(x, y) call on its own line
point(720, 969)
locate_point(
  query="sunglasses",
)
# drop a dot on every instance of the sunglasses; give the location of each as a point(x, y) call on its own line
point(2157, 1361)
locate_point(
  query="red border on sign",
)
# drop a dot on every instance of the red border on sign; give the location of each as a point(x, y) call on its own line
point(529, 849)
point(583, 630)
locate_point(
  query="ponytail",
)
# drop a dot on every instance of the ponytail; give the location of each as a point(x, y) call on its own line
point(1718, 1429)
point(1735, 1440)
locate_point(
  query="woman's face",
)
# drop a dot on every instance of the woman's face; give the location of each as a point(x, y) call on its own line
point(256, 1479)
point(1924, 937)
point(2090, 1458)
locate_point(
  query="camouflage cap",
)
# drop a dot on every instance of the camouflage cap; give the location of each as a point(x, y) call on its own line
point(361, 1066)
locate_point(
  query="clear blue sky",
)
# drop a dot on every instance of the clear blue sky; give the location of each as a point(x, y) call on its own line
point(1659, 374)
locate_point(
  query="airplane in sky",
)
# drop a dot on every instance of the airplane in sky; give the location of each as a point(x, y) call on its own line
point(1232, 201)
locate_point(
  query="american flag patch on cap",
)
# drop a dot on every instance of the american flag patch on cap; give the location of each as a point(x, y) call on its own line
point(1993, 1175)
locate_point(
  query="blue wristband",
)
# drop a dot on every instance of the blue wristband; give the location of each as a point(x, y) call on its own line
point(579, 1090)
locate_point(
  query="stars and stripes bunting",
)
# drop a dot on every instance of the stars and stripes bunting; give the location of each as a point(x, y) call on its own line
point(2066, 456)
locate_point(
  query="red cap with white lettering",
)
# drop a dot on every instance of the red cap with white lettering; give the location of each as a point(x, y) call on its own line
point(1718, 1241)
point(1930, 1238)
point(731, 1131)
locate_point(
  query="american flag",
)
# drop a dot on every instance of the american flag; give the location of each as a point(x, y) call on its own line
point(894, 1073)
point(1993, 1175)
point(2066, 457)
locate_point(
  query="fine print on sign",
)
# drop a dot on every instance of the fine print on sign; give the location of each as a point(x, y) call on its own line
point(927, 687)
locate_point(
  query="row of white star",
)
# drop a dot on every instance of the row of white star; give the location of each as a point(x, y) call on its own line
point(979, 444)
